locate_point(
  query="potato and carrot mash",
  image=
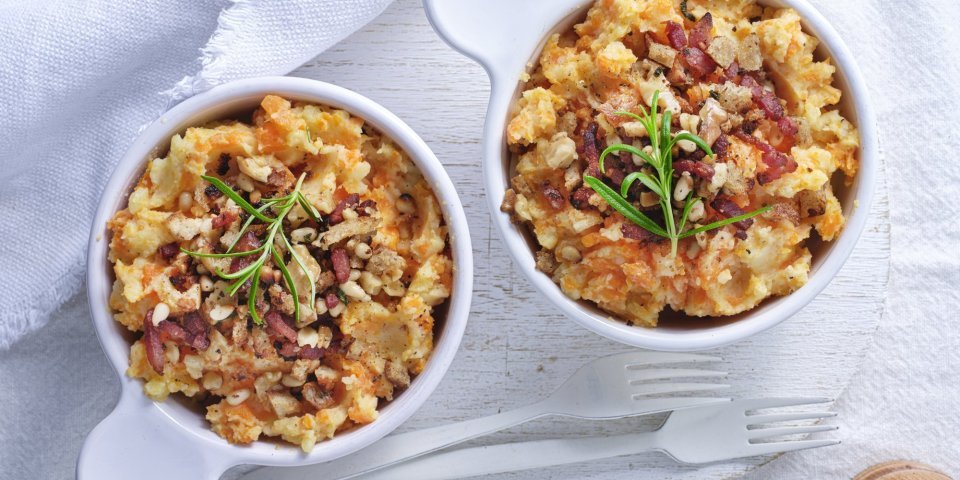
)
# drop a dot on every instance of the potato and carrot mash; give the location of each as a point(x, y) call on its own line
point(743, 78)
point(298, 324)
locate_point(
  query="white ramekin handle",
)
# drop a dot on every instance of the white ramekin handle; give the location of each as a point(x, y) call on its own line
point(496, 33)
point(141, 443)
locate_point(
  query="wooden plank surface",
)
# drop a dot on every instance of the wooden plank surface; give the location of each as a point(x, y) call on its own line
point(517, 347)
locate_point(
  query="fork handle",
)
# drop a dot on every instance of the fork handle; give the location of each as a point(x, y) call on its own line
point(397, 448)
point(511, 457)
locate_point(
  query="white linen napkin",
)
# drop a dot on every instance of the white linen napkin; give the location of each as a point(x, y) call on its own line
point(79, 78)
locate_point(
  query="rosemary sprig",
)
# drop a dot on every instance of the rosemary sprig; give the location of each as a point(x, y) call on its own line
point(268, 246)
point(661, 184)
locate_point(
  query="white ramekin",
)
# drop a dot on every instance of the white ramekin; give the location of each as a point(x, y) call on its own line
point(150, 440)
point(506, 37)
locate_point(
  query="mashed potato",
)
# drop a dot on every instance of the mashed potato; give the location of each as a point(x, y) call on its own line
point(377, 256)
point(742, 77)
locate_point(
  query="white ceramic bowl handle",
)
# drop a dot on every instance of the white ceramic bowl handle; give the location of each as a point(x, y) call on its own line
point(496, 33)
point(138, 441)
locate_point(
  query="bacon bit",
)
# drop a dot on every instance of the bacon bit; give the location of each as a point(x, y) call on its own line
point(288, 350)
point(247, 242)
point(553, 196)
point(331, 300)
point(364, 205)
point(197, 331)
point(770, 104)
point(212, 192)
point(732, 73)
point(721, 145)
point(588, 149)
point(183, 282)
point(788, 127)
point(635, 232)
point(698, 169)
point(700, 36)
point(700, 63)
point(278, 325)
point(169, 250)
point(225, 218)
point(580, 198)
point(172, 331)
point(224, 166)
point(310, 353)
point(152, 343)
point(728, 209)
point(341, 264)
point(777, 163)
point(678, 39)
point(337, 215)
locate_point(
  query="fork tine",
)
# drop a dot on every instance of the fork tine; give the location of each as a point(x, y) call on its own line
point(761, 433)
point(657, 405)
point(646, 389)
point(782, 447)
point(762, 403)
point(788, 417)
point(640, 359)
point(647, 374)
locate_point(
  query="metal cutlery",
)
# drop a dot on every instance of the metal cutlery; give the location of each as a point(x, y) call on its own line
point(698, 435)
point(616, 386)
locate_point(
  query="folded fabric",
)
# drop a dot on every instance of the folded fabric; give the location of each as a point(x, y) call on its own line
point(80, 78)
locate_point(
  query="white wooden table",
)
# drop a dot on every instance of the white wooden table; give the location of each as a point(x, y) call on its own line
point(518, 347)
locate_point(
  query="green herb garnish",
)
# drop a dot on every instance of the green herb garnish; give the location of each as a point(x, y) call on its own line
point(683, 10)
point(268, 246)
point(661, 184)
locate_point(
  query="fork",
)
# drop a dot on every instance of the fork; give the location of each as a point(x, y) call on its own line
point(616, 386)
point(693, 436)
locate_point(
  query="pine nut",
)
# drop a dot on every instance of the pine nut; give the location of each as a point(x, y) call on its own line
point(238, 397)
point(171, 351)
point(245, 183)
point(307, 336)
point(291, 381)
point(350, 214)
point(206, 283)
point(336, 311)
point(255, 196)
point(185, 201)
point(697, 212)
point(684, 187)
point(353, 290)
point(363, 251)
point(355, 275)
point(160, 313)
point(370, 283)
point(570, 253)
point(221, 312)
point(303, 235)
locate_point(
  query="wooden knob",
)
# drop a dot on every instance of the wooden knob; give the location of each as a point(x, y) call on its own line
point(902, 470)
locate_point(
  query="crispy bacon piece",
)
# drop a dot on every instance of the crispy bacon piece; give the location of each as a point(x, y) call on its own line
point(310, 353)
point(277, 325)
point(331, 300)
point(172, 331)
point(701, 35)
point(183, 282)
point(732, 73)
point(553, 196)
point(225, 218)
point(336, 216)
point(580, 198)
point(364, 205)
point(699, 62)
point(197, 331)
point(678, 39)
point(288, 350)
point(697, 169)
point(247, 242)
point(726, 207)
point(152, 343)
point(212, 192)
point(770, 104)
point(169, 250)
point(341, 264)
point(588, 150)
point(637, 233)
point(721, 145)
point(776, 162)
